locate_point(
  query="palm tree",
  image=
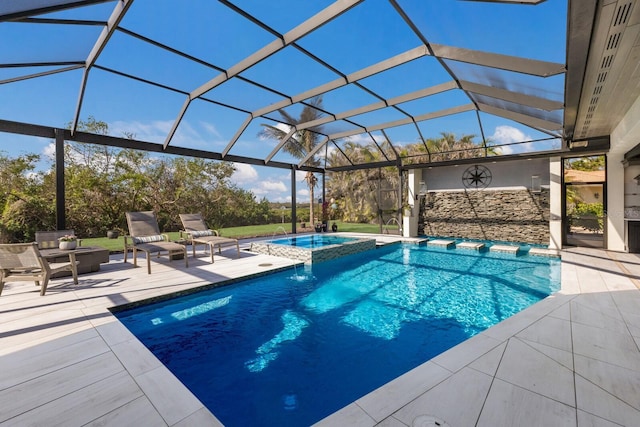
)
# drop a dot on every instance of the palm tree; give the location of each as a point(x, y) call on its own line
point(301, 142)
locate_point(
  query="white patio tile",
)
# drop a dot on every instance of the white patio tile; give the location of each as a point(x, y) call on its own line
point(466, 352)
point(508, 405)
point(51, 386)
point(82, 406)
point(595, 400)
point(542, 375)
point(586, 315)
point(113, 331)
point(390, 422)
point(135, 357)
point(172, 399)
point(589, 420)
point(565, 358)
point(488, 363)
point(602, 302)
point(139, 412)
point(549, 331)
point(457, 401)
point(351, 415)
point(387, 399)
point(563, 312)
point(40, 360)
point(620, 382)
point(201, 417)
point(607, 346)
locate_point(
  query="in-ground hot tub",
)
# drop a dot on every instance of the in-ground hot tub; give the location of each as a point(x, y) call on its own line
point(313, 248)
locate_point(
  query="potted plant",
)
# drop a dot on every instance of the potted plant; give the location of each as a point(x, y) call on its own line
point(67, 242)
point(113, 234)
point(325, 216)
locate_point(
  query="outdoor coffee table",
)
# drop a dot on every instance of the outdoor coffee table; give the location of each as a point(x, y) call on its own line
point(88, 257)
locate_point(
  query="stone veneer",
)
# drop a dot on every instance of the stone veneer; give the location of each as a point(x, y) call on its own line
point(515, 215)
point(314, 255)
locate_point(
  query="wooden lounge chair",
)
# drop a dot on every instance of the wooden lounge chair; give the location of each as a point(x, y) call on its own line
point(197, 232)
point(144, 235)
point(23, 262)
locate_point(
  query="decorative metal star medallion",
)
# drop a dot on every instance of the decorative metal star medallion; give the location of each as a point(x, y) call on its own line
point(476, 176)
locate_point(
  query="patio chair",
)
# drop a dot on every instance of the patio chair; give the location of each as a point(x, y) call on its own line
point(197, 232)
point(144, 235)
point(23, 262)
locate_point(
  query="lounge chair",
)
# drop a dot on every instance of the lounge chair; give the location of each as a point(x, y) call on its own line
point(144, 235)
point(197, 232)
point(23, 262)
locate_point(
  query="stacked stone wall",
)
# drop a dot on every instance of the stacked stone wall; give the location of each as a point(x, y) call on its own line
point(506, 215)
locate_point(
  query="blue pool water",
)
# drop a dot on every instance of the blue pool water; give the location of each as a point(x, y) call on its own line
point(290, 348)
point(312, 241)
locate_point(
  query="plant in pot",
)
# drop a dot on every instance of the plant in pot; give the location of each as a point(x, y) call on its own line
point(67, 242)
point(325, 216)
point(113, 234)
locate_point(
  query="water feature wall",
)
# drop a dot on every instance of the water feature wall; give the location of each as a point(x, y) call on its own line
point(515, 215)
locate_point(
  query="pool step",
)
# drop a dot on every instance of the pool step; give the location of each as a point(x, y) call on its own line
point(470, 245)
point(510, 249)
point(442, 243)
point(551, 253)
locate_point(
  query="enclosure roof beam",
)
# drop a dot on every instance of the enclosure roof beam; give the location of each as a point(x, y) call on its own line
point(116, 16)
point(321, 18)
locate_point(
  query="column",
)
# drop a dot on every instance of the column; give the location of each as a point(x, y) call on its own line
point(555, 203)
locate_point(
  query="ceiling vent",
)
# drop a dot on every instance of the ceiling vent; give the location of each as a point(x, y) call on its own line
point(618, 25)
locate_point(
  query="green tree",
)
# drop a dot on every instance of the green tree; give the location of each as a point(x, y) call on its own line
point(301, 142)
point(26, 205)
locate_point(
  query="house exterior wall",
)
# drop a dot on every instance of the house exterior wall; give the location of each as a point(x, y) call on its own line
point(507, 210)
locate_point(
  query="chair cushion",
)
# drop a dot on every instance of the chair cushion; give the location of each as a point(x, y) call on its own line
point(202, 233)
point(147, 239)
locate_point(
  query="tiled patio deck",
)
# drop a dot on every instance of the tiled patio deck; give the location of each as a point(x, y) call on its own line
point(572, 359)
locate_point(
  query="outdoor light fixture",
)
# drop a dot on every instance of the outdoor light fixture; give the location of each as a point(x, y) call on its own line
point(535, 184)
point(637, 179)
point(578, 144)
point(422, 191)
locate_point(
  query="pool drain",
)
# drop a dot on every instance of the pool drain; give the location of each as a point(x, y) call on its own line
point(428, 421)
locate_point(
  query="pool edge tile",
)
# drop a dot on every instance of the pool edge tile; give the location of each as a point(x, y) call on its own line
point(392, 396)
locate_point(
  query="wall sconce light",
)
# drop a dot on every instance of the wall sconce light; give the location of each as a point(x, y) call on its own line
point(422, 191)
point(637, 179)
point(596, 195)
point(536, 186)
point(578, 144)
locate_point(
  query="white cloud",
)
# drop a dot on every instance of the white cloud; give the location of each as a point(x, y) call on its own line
point(211, 129)
point(157, 130)
point(49, 151)
point(273, 186)
point(508, 135)
point(286, 199)
point(244, 174)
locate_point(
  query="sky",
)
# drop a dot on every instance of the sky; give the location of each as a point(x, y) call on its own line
point(365, 35)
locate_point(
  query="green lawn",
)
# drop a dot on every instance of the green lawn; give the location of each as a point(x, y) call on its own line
point(117, 245)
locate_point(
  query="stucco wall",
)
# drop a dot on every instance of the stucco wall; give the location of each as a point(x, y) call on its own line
point(515, 173)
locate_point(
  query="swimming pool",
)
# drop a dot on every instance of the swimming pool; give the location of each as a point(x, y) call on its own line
point(293, 347)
